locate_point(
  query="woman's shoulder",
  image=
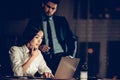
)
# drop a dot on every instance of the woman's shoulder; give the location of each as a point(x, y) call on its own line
point(16, 48)
point(13, 50)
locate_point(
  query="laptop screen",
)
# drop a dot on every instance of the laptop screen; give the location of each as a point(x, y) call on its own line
point(66, 68)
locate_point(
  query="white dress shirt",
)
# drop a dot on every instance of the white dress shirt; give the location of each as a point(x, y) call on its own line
point(19, 56)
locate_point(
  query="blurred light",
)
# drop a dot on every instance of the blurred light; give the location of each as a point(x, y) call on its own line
point(117, 9)
point(107, 15)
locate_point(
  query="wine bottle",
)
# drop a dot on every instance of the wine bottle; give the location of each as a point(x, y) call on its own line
point(84, 72)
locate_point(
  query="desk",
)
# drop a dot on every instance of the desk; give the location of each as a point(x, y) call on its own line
point(29, 78)
point(38, 78)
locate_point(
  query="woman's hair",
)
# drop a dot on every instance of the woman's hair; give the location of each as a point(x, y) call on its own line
point(29, 34)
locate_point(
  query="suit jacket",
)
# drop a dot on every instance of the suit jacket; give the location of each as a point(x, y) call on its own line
point(64, 34)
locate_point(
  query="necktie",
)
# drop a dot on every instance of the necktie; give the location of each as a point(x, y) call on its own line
point(49, 36)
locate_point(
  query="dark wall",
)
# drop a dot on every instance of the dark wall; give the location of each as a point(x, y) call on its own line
point(113, 50)
point(19, 9)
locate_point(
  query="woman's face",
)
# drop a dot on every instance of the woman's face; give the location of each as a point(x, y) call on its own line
point(37, 40)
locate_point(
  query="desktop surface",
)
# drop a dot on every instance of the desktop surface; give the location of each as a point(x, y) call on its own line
point(38, 78)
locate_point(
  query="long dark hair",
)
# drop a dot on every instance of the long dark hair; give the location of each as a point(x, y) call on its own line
point(29, 34)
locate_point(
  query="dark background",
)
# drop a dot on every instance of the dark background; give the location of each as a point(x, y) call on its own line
point(15, 14)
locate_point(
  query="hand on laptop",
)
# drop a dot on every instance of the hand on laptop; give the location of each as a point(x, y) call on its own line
point(47, 75)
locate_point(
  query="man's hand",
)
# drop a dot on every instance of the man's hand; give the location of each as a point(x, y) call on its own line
point(44, 48)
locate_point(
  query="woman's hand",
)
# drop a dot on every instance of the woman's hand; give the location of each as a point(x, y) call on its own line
point(47, 75)
point(34, 52)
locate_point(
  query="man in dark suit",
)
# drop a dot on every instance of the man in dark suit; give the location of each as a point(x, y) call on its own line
point(59, 40)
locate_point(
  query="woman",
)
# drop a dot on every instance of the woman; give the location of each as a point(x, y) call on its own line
point(27, 58)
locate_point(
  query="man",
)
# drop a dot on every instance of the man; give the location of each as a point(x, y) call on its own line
point(59, 40)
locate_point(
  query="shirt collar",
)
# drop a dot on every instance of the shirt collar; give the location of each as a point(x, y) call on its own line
point(44, 18)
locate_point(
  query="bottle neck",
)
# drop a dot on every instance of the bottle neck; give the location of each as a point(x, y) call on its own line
point(84, 67)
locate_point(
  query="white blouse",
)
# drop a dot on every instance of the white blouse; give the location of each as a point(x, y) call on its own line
point(19, 56)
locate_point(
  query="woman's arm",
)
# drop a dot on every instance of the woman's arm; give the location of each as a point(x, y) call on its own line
point(44, 69)
point(33, 54)
point(14, 54)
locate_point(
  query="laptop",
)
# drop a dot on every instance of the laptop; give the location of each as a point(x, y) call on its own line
point(66, 68)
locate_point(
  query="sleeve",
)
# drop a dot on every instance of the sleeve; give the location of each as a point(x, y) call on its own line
point(16, 61)
point(70, 39)
point(43, 66)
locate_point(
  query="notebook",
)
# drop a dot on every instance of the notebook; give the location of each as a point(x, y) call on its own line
point(66, 68)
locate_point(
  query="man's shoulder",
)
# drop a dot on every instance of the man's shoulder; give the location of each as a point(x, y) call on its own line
point(59, 17)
